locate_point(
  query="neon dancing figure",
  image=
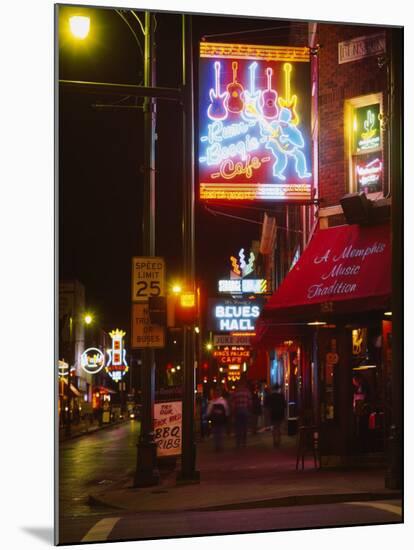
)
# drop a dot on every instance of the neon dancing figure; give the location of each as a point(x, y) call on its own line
point(285, 141)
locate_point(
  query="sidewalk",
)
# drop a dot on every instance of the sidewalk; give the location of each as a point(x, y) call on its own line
point(256, 476)
point(85, 428)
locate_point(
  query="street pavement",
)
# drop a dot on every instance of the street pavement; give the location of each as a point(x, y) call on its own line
point(96, 490)
point(150, 525)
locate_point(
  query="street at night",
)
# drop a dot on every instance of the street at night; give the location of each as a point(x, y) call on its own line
point(229, 353)
point(252, 490)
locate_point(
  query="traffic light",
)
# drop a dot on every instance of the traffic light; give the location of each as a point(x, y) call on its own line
point(186, 308)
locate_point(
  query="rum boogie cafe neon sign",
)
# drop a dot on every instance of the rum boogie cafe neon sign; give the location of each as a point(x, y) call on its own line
point(254, 123)
point(233, 315)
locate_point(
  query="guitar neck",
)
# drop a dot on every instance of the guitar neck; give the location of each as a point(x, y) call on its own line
point(269, 78)
point(217, 67)
point(288, 69)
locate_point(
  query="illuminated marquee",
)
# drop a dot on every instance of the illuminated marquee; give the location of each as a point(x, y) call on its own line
point(243, 286)
point(236, 355)
point(117, 365)
point(233, 315)
point(92, 360)
point(254, 141)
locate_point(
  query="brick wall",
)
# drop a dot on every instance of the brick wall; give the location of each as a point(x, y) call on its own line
point(338, 82)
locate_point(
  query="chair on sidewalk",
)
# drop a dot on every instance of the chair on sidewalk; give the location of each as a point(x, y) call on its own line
point(308, 440)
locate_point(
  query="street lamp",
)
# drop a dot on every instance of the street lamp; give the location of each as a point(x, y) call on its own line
point(79, 26)
point(88, 318)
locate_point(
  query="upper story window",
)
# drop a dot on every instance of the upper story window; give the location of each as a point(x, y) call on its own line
point(364, 142)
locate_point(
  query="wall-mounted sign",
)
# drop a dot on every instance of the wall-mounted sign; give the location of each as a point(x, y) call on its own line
point(233, 315)
point(148, 278)
point(242, 286)
point(367, 130)
point(236, 355)
point(167, 428)
point(230, 340)
point(254, 123)
point(63, 368)
point(234, 373)
point(92, 360)
point(116, 365)
point(363, 46)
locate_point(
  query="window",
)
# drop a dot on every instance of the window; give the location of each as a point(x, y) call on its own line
point(364, 142)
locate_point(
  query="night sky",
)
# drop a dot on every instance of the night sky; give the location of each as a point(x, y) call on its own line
point(101, 155)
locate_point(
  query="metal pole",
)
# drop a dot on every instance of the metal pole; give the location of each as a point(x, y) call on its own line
point(147, 473)
point(394, 475)
point(188, 457)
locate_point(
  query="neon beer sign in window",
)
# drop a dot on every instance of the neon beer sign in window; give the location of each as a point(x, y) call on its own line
point(254, 127)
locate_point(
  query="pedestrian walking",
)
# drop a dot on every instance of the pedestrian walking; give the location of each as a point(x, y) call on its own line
point(241, 404)
point(277, 410)
point(256, 410)
point(217, 413)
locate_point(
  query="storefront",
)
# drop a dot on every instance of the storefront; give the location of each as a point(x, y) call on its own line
point(328, 329)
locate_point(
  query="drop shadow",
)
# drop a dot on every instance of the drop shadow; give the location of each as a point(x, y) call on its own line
point(45, 534)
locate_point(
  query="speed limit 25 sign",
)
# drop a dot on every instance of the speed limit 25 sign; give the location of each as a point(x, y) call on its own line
point(148, 278)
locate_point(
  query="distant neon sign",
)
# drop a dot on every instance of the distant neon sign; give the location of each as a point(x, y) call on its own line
point(246, 286)
point(116, 365)
point(254, 141)
point(92, 360)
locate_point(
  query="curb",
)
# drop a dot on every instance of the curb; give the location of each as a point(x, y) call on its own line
point(292, 500)
point(90, 432)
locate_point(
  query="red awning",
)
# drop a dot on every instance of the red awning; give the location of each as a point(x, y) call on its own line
point(343, 270)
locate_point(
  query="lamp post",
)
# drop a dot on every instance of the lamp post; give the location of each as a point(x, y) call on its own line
point(188, 458)
point(147, 473)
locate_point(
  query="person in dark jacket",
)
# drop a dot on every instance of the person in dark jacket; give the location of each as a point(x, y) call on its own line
point(217, 413)
point(277, 409)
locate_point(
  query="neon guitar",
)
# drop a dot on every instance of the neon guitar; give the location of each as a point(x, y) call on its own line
point(217, 109)
point(235, 91)
point(269, 98)
point(251, 97)
point(289, 102)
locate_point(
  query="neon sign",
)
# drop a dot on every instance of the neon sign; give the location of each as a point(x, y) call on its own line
point(369, 173)
point(117, 366)
point(240, 286)
point(367, 133)
point(234, 315)
point(254, 141)
point(92, 360)
point(235, 355)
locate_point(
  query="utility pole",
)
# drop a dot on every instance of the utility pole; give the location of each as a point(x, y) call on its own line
point(147, 473)
point(188, 458)
point(394, 475)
